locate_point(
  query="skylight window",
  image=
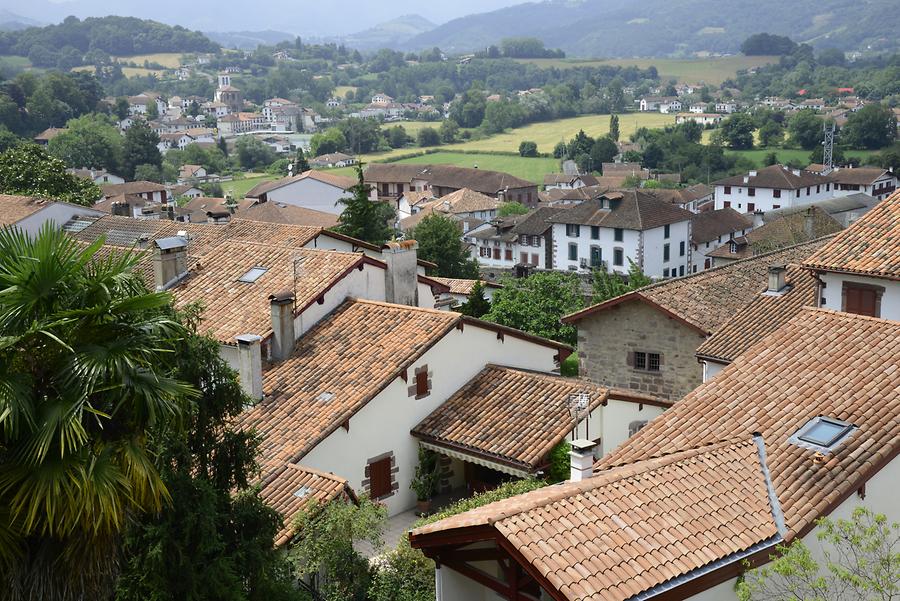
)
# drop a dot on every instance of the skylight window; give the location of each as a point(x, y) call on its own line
point(302, 492)
point(822, 433)
point(253, 274)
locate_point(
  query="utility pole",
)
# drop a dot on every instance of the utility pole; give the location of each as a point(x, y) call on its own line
point(828, 149)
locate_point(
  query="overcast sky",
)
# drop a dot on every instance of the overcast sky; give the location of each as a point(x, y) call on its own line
point(305, 17)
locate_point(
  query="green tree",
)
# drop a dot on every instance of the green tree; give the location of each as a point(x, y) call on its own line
point(770, 159)
point(27, 169)
point(331, 140)
point(771, 134)
point(449, 130)
point(608, 285)
point(737, 131)
point(476, 305)
point(604, 150)
point(536, 303)
point(253, 154)
point(871, 127)
point(528, 149)
point(324, 545)
point(89, 141)
point(139, 148)
point(301, 164)
point(512, 208)
point(428, 136)
point(805, 129)
point(86, 376)
point(215, 540)
point(614, 127)
point(362, 218)
point(397, 136)
point(440, 242)
point(860, 562)
point(148, 173)
point(560, 462)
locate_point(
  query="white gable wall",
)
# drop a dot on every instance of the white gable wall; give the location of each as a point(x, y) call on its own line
point(311, 194)
point(383, 425)
point(831, 296)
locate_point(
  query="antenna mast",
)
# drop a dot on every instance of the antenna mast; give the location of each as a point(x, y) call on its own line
point(828, 149)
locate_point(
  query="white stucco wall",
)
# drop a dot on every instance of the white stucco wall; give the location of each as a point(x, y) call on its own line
point(710, 369)
point(383, 425)
point(366, 284)
point(56, 213)
point(764, 198)
point(311, 194)
point(832, 296)
point(630, 245)
point(653, 242)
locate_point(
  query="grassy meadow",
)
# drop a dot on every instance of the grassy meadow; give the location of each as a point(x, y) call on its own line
point(240, 187)
point(712, 71)
point(170, 60)
point(532, 169)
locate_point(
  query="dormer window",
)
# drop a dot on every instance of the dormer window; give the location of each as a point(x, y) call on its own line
point(823, 434)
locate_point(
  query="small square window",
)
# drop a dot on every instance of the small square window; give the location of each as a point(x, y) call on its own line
point(652, 361)
point(253, 274)
point(595, 232)
point(640, 360)
point(618, 234)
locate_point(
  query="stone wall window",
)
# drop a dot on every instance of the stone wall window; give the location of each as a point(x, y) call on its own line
point(644, 361)
point(381, 476)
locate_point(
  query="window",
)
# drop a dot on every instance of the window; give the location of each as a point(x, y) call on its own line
point(732, 247)
point(818, 188)
point(535, 240)
point(618, 234)
point(596, 256)
point(523, 257)
point(534, 259)
point(681, 248)
point(827, 187)
point(751, 191)
point(380, 478)
point(726, 204)
point(822, 433)
point(727, 190)
point(497, 253)
point(595, 232)
point(508, 254)
point(776, 206)
point(665, 252)
point(573, 252)
point(666, 230)
point(618, 257)
point(751, 207)
point(572, 230)
point(645, 361)
point(422, 383)
point(666, 272)
point(523, 239)
point(253, 274)
point(681, 270)
point(776, 193)
point(861, 299)
point(808, 190)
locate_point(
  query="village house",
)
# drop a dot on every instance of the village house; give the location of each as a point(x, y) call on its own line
point(381, 98)
point(461, 205)
point(770, 188)
point(726, 107)
point(279, 212)
point(661, 104)
point(184, 191)
point(516, 240)
point(709, 229)
point(390, 180)
point(704, 119)
point(29, 214)
point(408, 202)
point(332, 160)
point(318, 190)
point(191, 173)
point(233, 124)
point(874, 181)
point(859, 269)
point(843, 209)
point(646, 340)
point(564, 181)
point(737, 468)
point(623, 227)
point(696, 198)
point(43, 138)
point(460, 289)
point(562, 197)
point(98, 176)
point(150, 191)
point(697, 107)
point(178, 140)
point(778, 232)
point(216, 109)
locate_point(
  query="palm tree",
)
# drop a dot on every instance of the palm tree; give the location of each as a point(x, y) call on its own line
point(85, 363)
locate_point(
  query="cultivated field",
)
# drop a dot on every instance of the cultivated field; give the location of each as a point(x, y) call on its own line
point(786, 155)
point(532, 169)
point(126, 71)
point(684, 70)
point(12, 61)
point(171, 60)
point(341, 91)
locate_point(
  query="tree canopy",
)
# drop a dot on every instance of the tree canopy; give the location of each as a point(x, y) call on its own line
point(536, 303)
point(439, 242)
point(28, 170)
point(363, 218)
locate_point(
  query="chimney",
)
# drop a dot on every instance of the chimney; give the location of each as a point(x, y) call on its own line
point(746, 179)
point(281, 305)
point(808, 224)
point(776, 278)
point(401, 280)
point(169, 261)
point(581, 460)
point(796, 172)
point(250, 365)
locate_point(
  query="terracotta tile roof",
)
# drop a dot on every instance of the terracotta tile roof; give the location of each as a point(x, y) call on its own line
point(339, 181)
point(709, 299)
point(14, 208)
point(636, 527)
point(762, 316)
point(198, 207)
point(556, 195)
point(781, 231)
point(336, 368)
point(709, 225)
point(511, 416)
point(127, 231)
point(676, 497)
point(232, 307)
point(140, 187)
point(446, 176)
point(630, 209)
point(461, 286)
point(48, 134)
point(871, 246)
point(820, 363)
point(276, 212)
point(776, 176)
point(291, 488)
point(536, 222)
point(860, 176)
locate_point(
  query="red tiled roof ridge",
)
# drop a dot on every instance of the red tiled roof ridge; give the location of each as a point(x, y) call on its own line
point(366, 301)
point(290, 465)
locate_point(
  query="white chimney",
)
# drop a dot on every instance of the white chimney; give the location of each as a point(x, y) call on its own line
point(401, 277)
point(250, 365)
point(581, 460)
point(282, 311)
point(169, 261)
point(746, 179)
point(776, 279)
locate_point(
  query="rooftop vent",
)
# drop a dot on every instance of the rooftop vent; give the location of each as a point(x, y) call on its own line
point(302, 492)
point(777, 281)
point(822, 434)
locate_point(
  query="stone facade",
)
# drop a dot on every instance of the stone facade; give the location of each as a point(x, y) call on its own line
point(607, 341)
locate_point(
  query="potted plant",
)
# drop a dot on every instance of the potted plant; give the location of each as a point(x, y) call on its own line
point(425, 482)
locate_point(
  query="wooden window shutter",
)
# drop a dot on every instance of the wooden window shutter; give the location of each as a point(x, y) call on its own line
point(422, 383)
point(380, 478)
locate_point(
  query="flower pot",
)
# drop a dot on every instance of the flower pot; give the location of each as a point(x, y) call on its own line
point(423, 507)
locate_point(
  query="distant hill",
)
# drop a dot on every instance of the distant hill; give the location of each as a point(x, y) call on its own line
point(390, 33)
point(625, 28)
point(10, 21)
point(248, 40)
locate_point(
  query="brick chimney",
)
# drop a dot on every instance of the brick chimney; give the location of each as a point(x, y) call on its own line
point(581, 460)
point(250, 365)
point(401, 277)
point(169, 261)
point(281, 305)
